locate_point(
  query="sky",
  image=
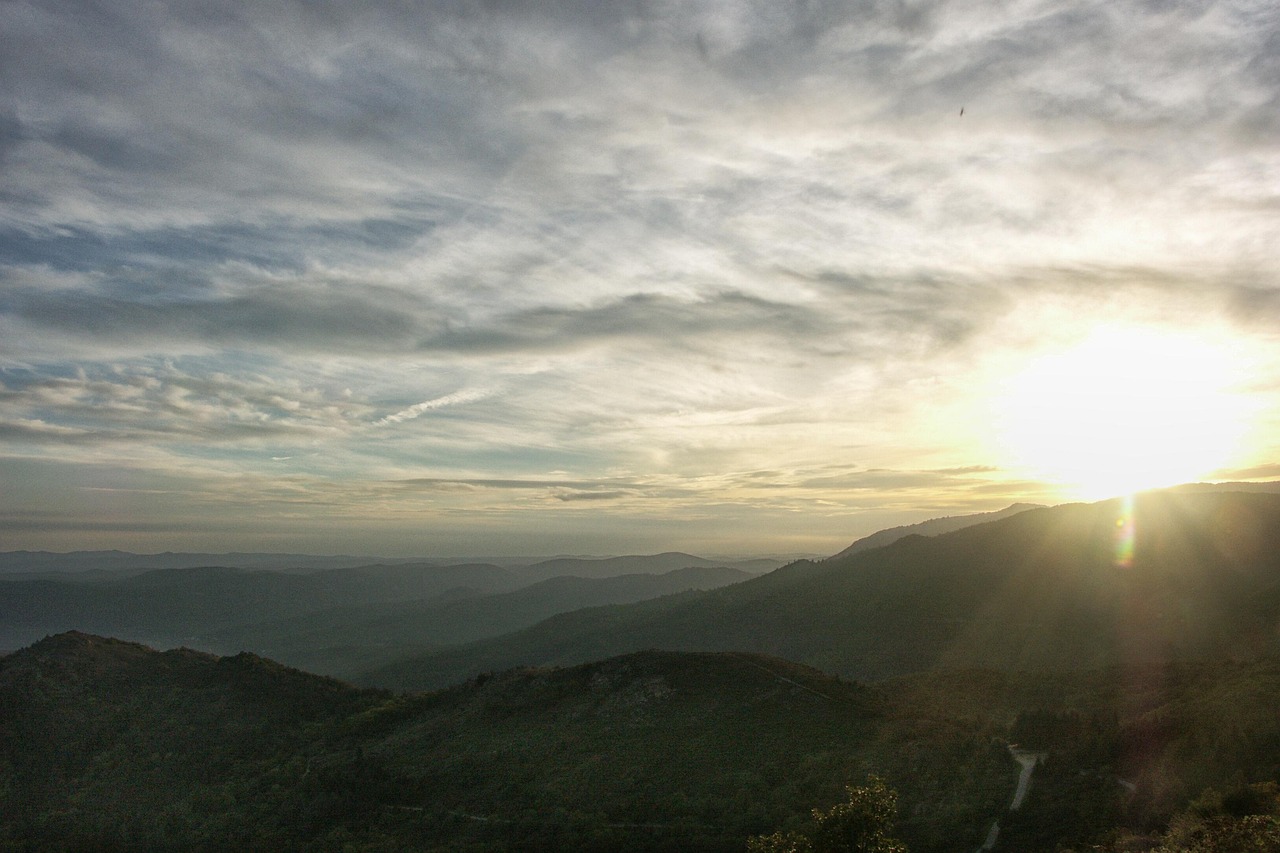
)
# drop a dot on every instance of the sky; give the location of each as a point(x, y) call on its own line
point(622, 277)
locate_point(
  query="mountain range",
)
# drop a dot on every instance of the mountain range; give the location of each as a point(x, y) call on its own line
point(1129, 650)
point(1044, 588)
point(336, 621)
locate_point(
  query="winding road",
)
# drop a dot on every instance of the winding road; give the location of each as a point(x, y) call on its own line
point(1028, 760)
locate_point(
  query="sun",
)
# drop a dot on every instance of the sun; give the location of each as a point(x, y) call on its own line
point(1122, 410)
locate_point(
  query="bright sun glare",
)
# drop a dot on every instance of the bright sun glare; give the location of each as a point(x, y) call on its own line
point(1123, 410)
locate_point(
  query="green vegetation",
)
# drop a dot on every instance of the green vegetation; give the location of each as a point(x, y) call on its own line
point(109, 745)
point(863, 823)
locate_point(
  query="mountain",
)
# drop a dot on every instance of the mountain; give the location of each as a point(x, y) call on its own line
point(44, 562)
point(107, 745)
point(347, 640)
point(932, 527)
point(605, 567)
point(102, 564)
point(336, 622)
point(1056, 588)
point(1271, 487)
point(185, 606)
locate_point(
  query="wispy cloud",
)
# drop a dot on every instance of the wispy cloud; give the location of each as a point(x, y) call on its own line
point(656, 246)
point(455, 399)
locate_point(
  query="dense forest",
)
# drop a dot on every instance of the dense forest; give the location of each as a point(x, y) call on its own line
point(110, 745)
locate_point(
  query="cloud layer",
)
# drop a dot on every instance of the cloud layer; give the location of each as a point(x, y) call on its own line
point(618, 274)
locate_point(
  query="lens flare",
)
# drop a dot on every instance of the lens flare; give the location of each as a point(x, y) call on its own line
point(1124, 535)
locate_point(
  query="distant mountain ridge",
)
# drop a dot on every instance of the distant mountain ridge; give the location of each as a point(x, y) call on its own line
point(175, 606)
point(602, 567)
point(116, 561)
point(335, 621)
point(107, 562)
point(346, 641)
point(1044, 588)
point(931, 527)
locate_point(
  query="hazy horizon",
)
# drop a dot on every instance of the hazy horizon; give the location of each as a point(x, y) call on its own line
point(623, 278)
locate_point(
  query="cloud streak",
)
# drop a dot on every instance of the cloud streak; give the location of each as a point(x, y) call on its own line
point(455, 399)
point(652, 247)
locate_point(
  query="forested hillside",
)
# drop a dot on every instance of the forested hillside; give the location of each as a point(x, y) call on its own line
point(1174, 576)
point(107, 745)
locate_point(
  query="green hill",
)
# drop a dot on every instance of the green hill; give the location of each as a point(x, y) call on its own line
point(106, 745)
point(110, 745)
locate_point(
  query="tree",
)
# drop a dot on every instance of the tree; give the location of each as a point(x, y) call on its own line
point(1245, 819)
point(780, 842)
point(861, 824)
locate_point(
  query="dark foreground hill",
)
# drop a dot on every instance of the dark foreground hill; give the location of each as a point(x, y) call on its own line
point(1175, 575)
point(106, 745)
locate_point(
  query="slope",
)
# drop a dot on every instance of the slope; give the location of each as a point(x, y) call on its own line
point(1055, 587)
point(932, 527)
point(106, 745)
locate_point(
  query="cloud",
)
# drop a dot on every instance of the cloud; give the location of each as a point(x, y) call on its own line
point(279, 314)
point(687, 242)
point(454, 399)
point(142, 403)
point(592, 496)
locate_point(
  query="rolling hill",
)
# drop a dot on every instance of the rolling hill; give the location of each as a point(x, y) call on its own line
point(107, 745)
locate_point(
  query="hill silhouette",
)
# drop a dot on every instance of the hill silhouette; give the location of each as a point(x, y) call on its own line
point(346, 640)
point(182, 605)
point(1045, 588)
point(126, 562)
point(607, 567)
point(931, 527)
